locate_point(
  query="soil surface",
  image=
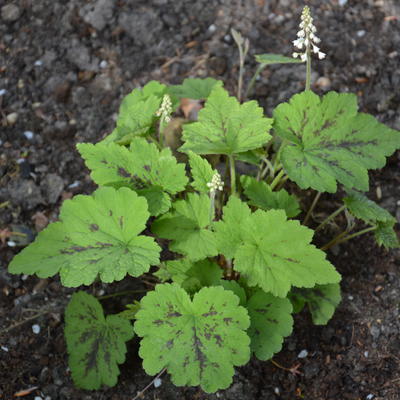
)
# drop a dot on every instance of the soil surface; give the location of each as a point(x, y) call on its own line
point(64, 68)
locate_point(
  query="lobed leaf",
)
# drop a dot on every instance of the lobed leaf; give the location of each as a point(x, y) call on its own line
point(187, 227)
point(98, 235)
point(96, 344)
point(386, 236)
point(321, 300)
point(198, 341)
point(202, 172)
point(142, 167)
point(226, 127)
point(270, 322)
point(195, 88)
point(270, 251)
point(262, 196)
point(327, 140)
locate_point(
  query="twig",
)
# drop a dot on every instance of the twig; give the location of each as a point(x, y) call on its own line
point(311, 209)
point(5, 330)
point(140, 394)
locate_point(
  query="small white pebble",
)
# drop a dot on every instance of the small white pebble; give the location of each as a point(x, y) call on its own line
point(212, 28)
point(101, 292)
point(370, 396)
point(366, 354)
point(157, 382)
point(398, 202)
point(29, 135)
point(103, 64)
point(38, 63)
point(361, 33)
point(74, 185)
point(342, 2)
point(36, 329)
point(20, 160)
point(227, 38)
point(3, 92)
point(12, 118)
point(24, 277)
point(351, 298)
point(277, 391)
point(37, 398)
point(11, 243)
point(4, 348)
point(303, 354)
point(378, 192)
point(1, 142)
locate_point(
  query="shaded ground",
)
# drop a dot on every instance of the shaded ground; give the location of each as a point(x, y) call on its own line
point(64, 67)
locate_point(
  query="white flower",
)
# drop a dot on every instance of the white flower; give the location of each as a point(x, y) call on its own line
point(306, 37)
point(165, 109)
point(216, 183)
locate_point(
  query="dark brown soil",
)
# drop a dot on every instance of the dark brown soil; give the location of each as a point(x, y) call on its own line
point(64, 68)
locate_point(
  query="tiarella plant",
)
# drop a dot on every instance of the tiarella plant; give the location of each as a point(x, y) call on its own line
point(225, 260)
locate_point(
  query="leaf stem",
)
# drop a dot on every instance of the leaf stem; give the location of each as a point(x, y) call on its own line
point(330, 217)
point(277, 179)
point(141, 393)
point(311, 209)
point(232, 174)
point(343, 238)
point(212, 206)
point(249, 88)
point(122, 293)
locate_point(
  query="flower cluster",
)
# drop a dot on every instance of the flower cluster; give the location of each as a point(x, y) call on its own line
point(166, 109)
point(306, 37)
point(216, 183)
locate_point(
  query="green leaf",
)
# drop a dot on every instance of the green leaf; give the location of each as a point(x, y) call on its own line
point(365, 209)
point(322, 301)
point(98, 235)
point(195, 88)
point(228, 232)
point(187, 226)
point(261, 196)
point(269, 58)
point(201, 171)
point(226, 127)
point(193, 276)
point(142, 167)
point(270, 321)
point(386, 236)
point(270, 251)
point(252, 157)
point(327, 140)
point(96, 344)
point(137, 114)
point(198, 341)
point(234, 287)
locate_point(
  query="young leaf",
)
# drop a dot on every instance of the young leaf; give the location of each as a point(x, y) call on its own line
point(386, 236)
point(365, 209)
point(261, 195)
point(195, 88)
point(143, 167)
point(137, 113)
point(329, 141)
point(193, 276)
point(228, 232)
point(96, 344)
point(270, 321)
point(201, 171)
point(226, 127)
point(186, 226)
point(198, 341)
point(270, 58)
point(322, 301)
point(271, 252)
point(98, 235)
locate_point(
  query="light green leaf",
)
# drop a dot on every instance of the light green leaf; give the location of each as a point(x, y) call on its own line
point(270, 58)
point(198, 341)
point(252, 157)
point(98, 235)
point(229, 231)
point(137, 114)
point(327, 140)
point(195, 88)
point(96, 344)
point(142, 167)
point(270, 251)
point(321, 300)
point(261, 195)
point(270, 321)
point(201, 171)
point(365, 209)
point(193, 276)
point(187, 226)
point(386, 236)
point(226, 127)
point(234, 287)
